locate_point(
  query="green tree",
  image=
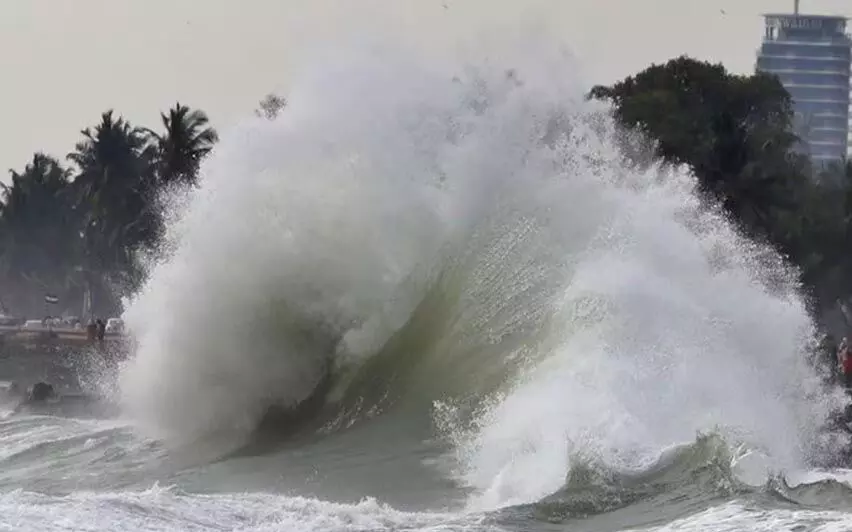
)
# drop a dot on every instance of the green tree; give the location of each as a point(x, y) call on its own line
point(78, 232)
point(736, 133)
point(38, 232)
point(116, 192)
point(187, 139)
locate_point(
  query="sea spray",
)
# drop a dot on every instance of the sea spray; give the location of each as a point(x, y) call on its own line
point(478, 227)
point(671, 324)
point(304, 240)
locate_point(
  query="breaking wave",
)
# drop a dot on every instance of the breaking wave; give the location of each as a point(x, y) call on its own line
point(473, 245)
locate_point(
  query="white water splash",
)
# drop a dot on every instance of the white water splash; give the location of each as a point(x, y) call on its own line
point(316, 234)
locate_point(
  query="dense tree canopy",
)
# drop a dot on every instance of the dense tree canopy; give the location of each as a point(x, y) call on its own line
point(187, 139)
point(73, 230)
point(38, 230)
point(737, 135)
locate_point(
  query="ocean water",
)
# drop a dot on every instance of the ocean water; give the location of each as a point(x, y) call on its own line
point(439, 295)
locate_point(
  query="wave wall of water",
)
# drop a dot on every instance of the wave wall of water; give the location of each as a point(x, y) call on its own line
point(473, 244)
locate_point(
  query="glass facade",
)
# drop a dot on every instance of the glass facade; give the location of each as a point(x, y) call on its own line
point(811, 55)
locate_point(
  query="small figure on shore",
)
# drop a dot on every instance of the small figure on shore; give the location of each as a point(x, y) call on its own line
point(92, 331)
point(40, 392)
point(844, 362)
point(101, 330)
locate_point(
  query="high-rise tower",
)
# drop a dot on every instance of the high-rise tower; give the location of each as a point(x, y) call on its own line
point(811, 55)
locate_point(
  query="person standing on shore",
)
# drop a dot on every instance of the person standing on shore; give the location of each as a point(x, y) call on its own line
point(92, 331)
point(101, 331)
point(844, 363)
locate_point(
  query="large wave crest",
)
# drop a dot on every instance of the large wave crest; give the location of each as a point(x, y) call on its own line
point(470, 236)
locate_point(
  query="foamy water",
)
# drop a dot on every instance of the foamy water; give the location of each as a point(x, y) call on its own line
point(499, 300)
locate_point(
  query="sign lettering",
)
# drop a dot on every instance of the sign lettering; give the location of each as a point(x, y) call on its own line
point(798, 23)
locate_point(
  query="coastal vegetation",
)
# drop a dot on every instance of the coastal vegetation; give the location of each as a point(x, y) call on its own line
point(72, 229)
point(738, 135)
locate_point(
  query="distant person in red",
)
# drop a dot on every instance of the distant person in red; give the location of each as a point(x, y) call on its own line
point(844, 361)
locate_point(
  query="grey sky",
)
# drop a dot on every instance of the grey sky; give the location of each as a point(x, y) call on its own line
point(63, 62)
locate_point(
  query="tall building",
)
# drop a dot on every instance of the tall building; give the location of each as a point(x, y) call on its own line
point(811, 55)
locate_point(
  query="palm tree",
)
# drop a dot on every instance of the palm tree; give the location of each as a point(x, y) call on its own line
point(116, 189)
point(40, 243)
point(186, 141)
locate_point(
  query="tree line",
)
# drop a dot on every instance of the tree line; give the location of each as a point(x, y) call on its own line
point(71, 229)
point(737, 133)
point(77, 227)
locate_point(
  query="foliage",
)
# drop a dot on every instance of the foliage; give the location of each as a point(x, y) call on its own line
point(270, 106)
point(72, 231)
point(737, 135)
point(78, 229)
point(186, 141)
point(37, 228)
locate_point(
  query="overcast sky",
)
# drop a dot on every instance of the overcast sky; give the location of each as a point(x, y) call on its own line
point(63, 62)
